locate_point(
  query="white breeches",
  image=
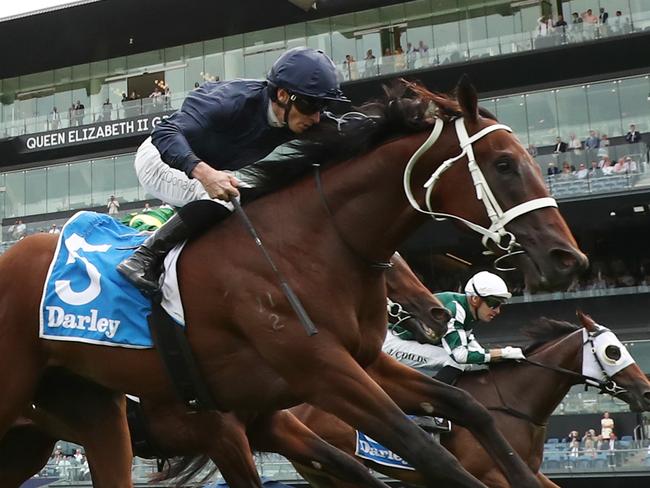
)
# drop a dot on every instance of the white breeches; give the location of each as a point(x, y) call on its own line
point(426, 358)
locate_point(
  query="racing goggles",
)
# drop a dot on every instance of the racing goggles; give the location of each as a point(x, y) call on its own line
point(490, 301)
point(493, 302)
point(308, 105)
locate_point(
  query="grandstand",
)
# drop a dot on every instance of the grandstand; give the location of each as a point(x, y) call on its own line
point(544, 81)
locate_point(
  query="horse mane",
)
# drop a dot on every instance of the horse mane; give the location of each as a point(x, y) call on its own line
point(405, 108)
point(544, 330)
point(183, 469)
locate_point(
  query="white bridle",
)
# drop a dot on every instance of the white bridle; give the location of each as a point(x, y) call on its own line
point(497, 232)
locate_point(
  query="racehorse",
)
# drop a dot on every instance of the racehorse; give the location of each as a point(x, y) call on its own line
point(171, 432)
point(351, 218)
point(521, 397)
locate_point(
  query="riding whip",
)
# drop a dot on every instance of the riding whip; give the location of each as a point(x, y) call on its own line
point(294, 301)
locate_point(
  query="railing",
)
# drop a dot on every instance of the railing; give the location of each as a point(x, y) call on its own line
point(562, 460)
point(418, 58)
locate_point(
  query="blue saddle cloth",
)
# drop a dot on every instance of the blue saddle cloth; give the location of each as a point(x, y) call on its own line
point(85, 299)
point(370, 449)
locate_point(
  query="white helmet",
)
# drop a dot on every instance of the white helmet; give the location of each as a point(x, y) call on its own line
point(486, 284)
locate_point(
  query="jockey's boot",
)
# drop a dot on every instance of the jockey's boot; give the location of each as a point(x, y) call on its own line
point(144, 266)
point(448, 375)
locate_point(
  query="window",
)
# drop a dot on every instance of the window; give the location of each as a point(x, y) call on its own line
point(573, 117)
point(15, 194)
point(542, 118)
point(35, 191)
point(512, 111)
point(635, 105)
point(103, 181)
point(57, 188)
point(80, 185)
point(604, 109)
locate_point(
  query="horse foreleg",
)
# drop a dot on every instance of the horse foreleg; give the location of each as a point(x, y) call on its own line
point(107, 442)
point(335, 382)
point(418, 394)
point(284, 434)
point(24, 450)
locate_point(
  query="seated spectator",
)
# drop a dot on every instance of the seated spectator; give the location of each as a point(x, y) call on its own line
point(595, 171)
point(582, 172)
point(632, 165)
point(552, 169)
point(607, 166)
point(622, 166)
point(18, 230)
point(54, 230)
point(566, 173)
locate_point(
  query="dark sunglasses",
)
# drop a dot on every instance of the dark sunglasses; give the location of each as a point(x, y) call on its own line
point(308, 105)
point(493, 302)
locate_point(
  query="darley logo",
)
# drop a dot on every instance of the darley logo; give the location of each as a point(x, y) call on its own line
point(56, 317)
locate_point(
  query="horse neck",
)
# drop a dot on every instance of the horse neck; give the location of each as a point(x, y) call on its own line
point(539, 391)
point(367, 200)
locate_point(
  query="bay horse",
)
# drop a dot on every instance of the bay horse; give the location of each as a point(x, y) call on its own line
point(353, 214)
point(56, 415)
point(520, 396)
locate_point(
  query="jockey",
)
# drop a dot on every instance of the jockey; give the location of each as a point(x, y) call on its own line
point(458, 350)
point(221, 127)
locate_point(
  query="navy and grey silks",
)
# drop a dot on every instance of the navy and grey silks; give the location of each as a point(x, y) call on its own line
point(224, 124)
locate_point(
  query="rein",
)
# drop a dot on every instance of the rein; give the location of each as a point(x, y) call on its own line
point(608, 386)
point(496, 233)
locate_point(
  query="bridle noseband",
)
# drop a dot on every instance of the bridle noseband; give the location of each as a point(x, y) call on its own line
point(496, 233)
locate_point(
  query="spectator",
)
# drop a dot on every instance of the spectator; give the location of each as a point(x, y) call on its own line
point(592, 142)
point(552, 169)
point(54, 230)
point(411, 55)
point(589, 443)
point(196, 85)
point(532, 150)
point(370, 64)
point(147, 208)
point(80, 110)
point(603, 148)
point(18, 230)
point(595, 171)
point(156, 100)
point(113, 205)
point(544, 26)
point(574, 143)
point(561, 23)
point(167, 96)
point(78, 455)
point(575, 18)
point(400, 59)
point(388, 62)
point(633, 136)
point(350, 67)
point(54, 119)
point(423, 51)
point(107, 111)
point(566, 173)
point(582, 172)
point(560, 146)
point(606, 428)
point(574, 444)
point(622, 166)
point(631, 164)
point(72, 115)
point(607, 166)
point(589, 18)
point(603, 16)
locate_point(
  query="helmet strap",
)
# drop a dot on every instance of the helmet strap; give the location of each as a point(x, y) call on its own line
point(285, 106)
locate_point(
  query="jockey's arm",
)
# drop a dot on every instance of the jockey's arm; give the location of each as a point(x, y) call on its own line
point(463, 347)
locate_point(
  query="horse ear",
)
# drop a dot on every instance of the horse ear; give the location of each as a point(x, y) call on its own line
point(467, 98)
point(586, 321)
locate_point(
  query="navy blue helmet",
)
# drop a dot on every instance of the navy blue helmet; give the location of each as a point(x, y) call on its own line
point(307, 72)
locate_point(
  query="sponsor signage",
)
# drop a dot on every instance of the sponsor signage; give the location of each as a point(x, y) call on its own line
point(85, 134)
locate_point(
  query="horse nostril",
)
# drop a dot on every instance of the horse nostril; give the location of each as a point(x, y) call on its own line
point(569, 261)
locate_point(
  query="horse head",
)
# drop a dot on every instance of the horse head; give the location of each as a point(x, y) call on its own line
point(412, 305)
point(608, 360)
point(504, 198)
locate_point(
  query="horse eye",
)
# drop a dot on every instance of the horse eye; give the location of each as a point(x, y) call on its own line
point(503, 166)
point(613, 353)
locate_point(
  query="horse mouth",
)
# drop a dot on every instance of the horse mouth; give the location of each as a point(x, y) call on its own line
point(556, 271)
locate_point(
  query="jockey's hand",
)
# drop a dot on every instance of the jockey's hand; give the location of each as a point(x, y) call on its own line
point(221, 185)
point(509, 352)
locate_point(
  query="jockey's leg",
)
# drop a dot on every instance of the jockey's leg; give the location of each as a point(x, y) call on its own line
point(418, 394)
point(284, 434)
point(448, 375)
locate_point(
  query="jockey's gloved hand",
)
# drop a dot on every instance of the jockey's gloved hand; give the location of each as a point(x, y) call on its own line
point(509, 352)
